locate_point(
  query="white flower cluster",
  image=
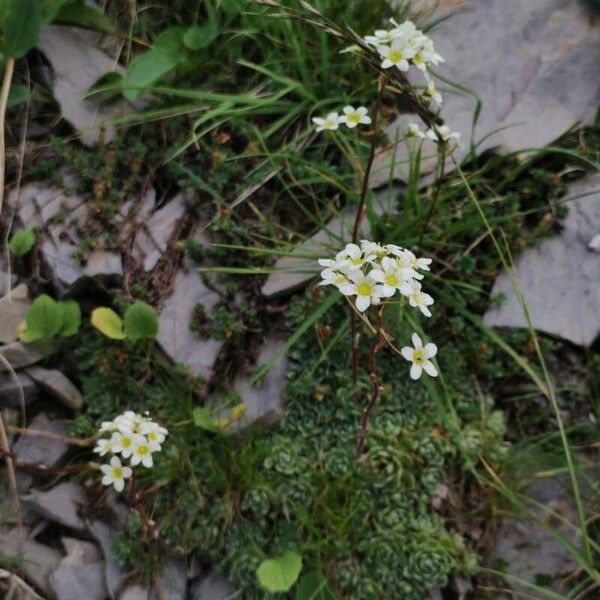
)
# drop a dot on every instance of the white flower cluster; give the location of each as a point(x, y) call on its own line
point(442, 135)
point(135, 438)
point(404, 45)
point(351, 118)
point(372, 272)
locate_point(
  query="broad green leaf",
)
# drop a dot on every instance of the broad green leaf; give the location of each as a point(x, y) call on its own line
point(71, 318)
point(204, 419)
point(25, 335)
point(17, 94)
point(146, 70)
point(141, 321)
point(170, 40)
point(279, 574)
point(201, 36)
point(84, 15)
point(20, 21)
point(44, 318)
point(108, 322)
point(106, 87)
point(22, 242)
point(314, 586)
point(50, 8)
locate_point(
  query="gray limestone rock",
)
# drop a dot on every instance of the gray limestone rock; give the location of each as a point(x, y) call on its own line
point(23, 355)
point(113, 573)
point(13, 311)
point(59, 504)
point(10, 392)
point(213, 588)
point(559, 278)
point(76, 582)
point(57, 385)
point(171, 584)
point(535, 71)
point(80, 552)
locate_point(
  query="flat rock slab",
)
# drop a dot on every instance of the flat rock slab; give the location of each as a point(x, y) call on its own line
point(559, 278)
point(213, 588)
point(77, 64)
point(61, 504)
point(80, 552)
point(12, 393)
point(113, 573)
point(57, 385)
point(22, 355)
point(180, 343)
point(171, 584)
point(34, 560)
point(13, 311)
point(533, 65)
point(264, 402)
point(79, 582)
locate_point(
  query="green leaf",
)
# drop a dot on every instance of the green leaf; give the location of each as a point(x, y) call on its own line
point(170, 40)
point(106, 87)
point(279, 574)
point(22, 242)
point(141, 321)
point(50, 8)
point(109, 323)
point(314, 586)
point(71, 318)
point(146, 70)
point(201, 36)
point(43, 320)
point(20, 21)
point(84, 15)
point(204, 419)
point(17, 94)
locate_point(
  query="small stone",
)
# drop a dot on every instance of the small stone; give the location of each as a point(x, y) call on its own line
point(560, 277)
point(595, 243)
point(34, 560)
point(60, 504)
point(78, 582)
point(113, 573)
point(10, 392)
point(264, 402)
point(13, 313)
point(134, 592)
point(77, 64)
point(57, 385)
point(213, 588)
point(179, 342)
point(80, 552)
point(21, 355)
point(172, 582)
point(4, 281)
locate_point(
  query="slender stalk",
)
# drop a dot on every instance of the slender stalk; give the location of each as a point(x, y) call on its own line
point(437, 188)
point(8, 74)
point(5, 446)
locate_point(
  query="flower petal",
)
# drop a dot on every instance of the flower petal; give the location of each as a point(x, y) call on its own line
point(407, 353)
point(430, 368)
point(430, 350)
point(415, 371)
point(363, 302)
point(416, 340)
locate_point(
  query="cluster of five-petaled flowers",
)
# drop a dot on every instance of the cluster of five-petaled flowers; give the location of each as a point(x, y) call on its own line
point(371, 273)
point(136, 438)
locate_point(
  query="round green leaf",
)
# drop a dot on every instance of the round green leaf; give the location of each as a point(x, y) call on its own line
point(141, 321)
point(22, 242)
point(201, 36)
point(71, 318)
point(314, 586)
point(279, 574)
point(146, 70)
point(44, 318)
point(109, 323)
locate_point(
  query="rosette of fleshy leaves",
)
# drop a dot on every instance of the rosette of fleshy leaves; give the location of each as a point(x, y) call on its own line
point(130, 439)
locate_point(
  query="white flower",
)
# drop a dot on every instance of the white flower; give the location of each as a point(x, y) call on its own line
point(331, 122)
point(142, 453)
point(419, 356)
point(392, 278)
point(416, 263)
point(414, 131)
point(365, 288)
point(432, 94)
point(103, 447)
point(331, 277)
point(115, 474)
point(355, 116)
point(420, 300)
point(108, 426)
point(381, 37)
point(352, 257)
point(155, 434)
point(445, 134)
point(370, 248)
point(123, 443)
point(425, 55)
point(406, 30)
point(354, 49)
point(396, 55)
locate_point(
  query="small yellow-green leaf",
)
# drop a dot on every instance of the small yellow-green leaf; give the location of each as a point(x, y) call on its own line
point(109, 323)
point(279, 574)
point(44, 318)
point(71, 318)
point(140, 321)
point(22, 242)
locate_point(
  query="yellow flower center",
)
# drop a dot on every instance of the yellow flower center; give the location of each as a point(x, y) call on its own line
point(152, 435)
point(396, 56)
point(340, 280)
point(419, 357)
point(143, 450)
point(117, 473)
point(364, 289)
point(391, 279)
point(357, 261)
point(354, 117)
point(126, 442)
